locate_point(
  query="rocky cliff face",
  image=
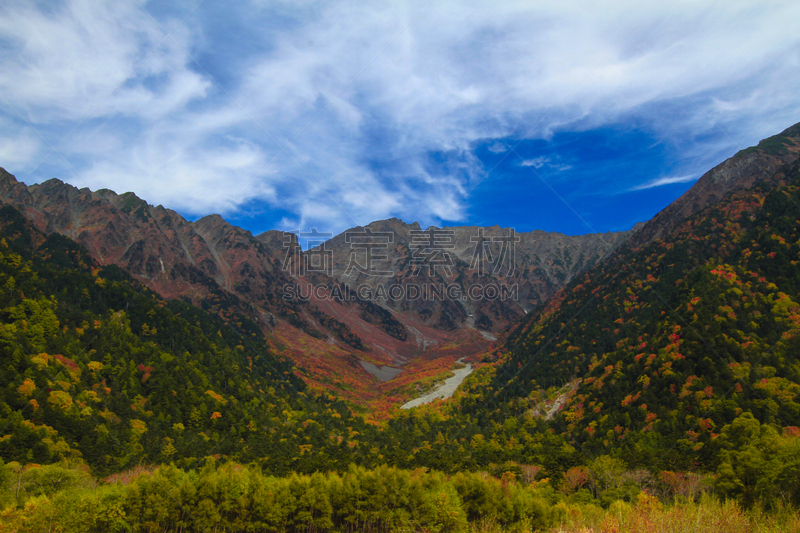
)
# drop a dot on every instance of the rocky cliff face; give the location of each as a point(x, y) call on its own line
point(171, 255)
point(489, 277)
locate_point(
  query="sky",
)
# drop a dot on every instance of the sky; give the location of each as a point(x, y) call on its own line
point(576, 117)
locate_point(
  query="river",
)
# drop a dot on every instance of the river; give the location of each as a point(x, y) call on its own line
point(445, 390)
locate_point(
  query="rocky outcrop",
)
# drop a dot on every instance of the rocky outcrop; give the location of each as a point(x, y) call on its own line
point(472, 263)
point(171, 255)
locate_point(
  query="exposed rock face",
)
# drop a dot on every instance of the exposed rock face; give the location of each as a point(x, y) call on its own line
point(470, 262)
point(173, 256)
point(737, 173)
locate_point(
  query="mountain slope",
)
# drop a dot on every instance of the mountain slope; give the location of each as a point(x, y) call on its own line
point(98, 368)
point(211, 263)
point(532, 266)
point(682, 354)
point(740, 172)
point(667, 342)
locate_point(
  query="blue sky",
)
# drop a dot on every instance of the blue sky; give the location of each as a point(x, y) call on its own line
point(572, 116)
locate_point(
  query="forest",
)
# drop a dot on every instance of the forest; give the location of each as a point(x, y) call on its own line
point(662, 385)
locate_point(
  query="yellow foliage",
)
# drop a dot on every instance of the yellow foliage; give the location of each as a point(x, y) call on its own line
point(41, 360)
point(27, 387)
point(60, 399)
point(217, 397)
point(138, 427)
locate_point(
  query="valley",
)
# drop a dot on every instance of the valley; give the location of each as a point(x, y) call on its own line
point(225, 269)
point(411, 266)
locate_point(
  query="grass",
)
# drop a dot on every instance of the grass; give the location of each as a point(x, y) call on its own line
point(648, 515)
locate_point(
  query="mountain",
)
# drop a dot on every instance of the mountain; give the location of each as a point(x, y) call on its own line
point(210, 263)
point(347, 345)
point(740, 172)
point(99, 370)
point(670, 368)
point(677, 354)
point(525, 268)
point(651, 354)
point(668, 363)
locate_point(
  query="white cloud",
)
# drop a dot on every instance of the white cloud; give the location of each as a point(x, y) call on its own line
point(64, 62)
point(537, 162)
point(19, 146)
point(18, 150)
point(173, 167)
point(346, 112)
point(497, 147)
point(668, 180)
point(542, 161)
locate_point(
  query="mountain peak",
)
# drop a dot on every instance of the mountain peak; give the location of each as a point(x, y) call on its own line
point(212, 219)
point(393, 223)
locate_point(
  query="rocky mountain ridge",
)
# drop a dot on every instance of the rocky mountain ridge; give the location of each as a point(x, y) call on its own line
point(334, 342)
point(498, 274)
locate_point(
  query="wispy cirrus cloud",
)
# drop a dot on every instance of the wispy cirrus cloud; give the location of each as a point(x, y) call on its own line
point(536, 162)
point(544, 161)
point(668, 180)
point(342, 113)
